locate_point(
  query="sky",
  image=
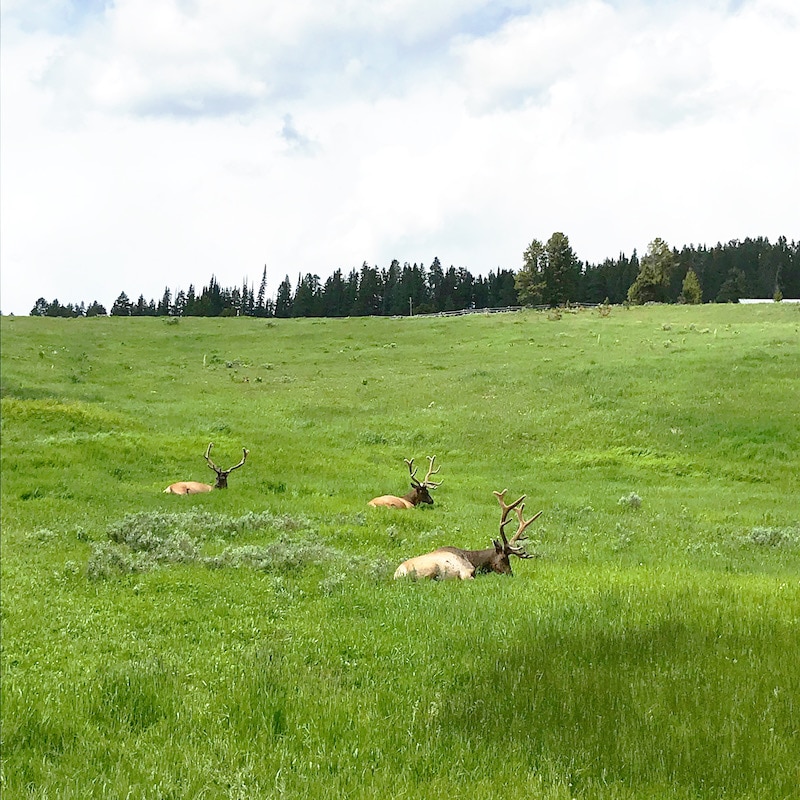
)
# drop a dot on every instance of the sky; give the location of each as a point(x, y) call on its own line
point(152, 144)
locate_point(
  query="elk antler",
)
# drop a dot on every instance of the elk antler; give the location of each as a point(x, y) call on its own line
point(412, 471)
point(428, 483)
point(208, 459)
point(511, 547)
point(245, 453)
point(501, 497)
point(431, 471)
point(519, 536)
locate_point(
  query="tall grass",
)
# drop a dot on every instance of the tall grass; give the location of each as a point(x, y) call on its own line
point(251, 643)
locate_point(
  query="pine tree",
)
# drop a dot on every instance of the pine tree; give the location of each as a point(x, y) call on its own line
point(652, 282)
point(96, 310)
point(562, 271)
point(39, 308)
point(691, 292)
point(164, 304)
point(283, 300)
point(529, 282)
point(260, 309)
point(122, 306)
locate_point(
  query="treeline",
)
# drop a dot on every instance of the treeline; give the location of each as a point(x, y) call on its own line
point(398, 290)
point(551, 275)
point(726, 273)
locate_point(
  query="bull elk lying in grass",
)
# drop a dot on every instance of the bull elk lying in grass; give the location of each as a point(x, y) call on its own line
point(453, 562)
point(420, 490)
point(194, 487)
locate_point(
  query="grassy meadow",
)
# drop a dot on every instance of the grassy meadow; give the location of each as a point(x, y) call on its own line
point(251, 643)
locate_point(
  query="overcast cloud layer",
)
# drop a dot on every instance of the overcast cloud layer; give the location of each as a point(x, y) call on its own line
point(153, 143)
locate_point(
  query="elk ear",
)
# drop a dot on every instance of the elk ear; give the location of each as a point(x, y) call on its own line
point(497, 546)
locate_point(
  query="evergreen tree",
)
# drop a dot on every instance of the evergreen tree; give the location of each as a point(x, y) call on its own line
point(464, 289)
point(594, 282)
point(691, 291)
point(39, 308)
point(733, 288)
point(179, 306)
point(529, 282)
point(449, 299)
point(211, 302)
point(283, 299)
point(164, 304)
point(436, 285)
point(334, 296)
point(55, 309)
point(260, 309)
point(96, 310)
point(502, 289)
point(415, 288)
point(308, 297)
point(480, 292)
point(370, 297)
point(654, 276)
point(122, 306)
point(247, 303)
point(190, 309)
point(394, 303)
point(562, 271)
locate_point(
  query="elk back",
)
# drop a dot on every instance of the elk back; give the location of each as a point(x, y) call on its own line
point(439, 565)
point(187, 487)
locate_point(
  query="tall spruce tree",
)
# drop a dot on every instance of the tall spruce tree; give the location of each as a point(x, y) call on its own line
point(260, 309)
point(562, 271)
point(653, 281)
point(283, 299)
point(529, 282)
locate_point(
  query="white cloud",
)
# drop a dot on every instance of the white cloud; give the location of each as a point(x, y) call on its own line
point(146, 144)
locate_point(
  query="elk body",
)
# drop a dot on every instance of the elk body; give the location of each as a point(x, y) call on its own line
point(455, 562)
point(195, 487)
point(420, 490)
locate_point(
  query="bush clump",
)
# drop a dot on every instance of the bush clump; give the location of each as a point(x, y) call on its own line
point(774, 537)
point(631, 500)
point(141, 542)
point(283, 555)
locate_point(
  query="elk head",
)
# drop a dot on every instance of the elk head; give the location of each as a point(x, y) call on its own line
point(420, 490)
point(194, 487)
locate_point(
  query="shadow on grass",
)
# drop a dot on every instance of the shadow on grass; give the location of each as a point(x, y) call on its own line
point(670, 703)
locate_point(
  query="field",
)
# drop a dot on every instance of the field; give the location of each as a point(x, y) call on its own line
point(251, 643)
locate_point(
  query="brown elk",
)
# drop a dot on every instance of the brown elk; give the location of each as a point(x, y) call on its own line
point(455, 562)
point(420, 490)
point(195, 487)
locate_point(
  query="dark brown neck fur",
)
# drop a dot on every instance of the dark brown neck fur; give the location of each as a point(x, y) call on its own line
point(482, 560)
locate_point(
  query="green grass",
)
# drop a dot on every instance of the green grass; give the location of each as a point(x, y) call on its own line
point(251, 643)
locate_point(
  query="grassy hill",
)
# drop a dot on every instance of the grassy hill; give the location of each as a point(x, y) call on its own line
point(251, 642)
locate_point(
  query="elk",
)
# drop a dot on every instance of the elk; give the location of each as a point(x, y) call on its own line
point(420, 490)
point(195, 487)
point(455, 562)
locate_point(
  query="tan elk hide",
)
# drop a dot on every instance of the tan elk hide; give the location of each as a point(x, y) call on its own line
point(439, 565)
point(420, 490)
point(194, 487)
point(455, 562)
